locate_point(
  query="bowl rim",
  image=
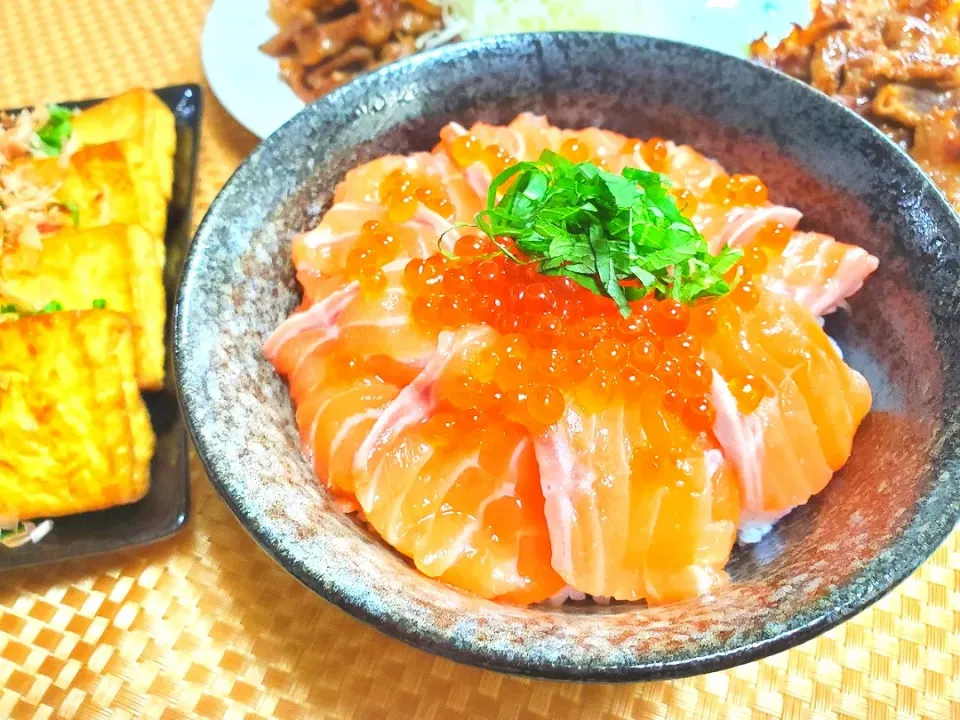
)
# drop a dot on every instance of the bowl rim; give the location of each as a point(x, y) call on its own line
point(854, 596)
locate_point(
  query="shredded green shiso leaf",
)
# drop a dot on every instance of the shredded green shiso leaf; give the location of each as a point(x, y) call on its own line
point(622, 236)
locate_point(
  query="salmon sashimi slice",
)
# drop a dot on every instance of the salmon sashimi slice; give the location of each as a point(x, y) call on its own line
point(720, 224)
point(466, 201)
point(477, 176)
point(326, 249)
point(537, 134)
point(417, 400)
point(637, 506)
point(738, 226)
point(512, 141)
point(317, 286)
point(819, 272)
point(466, 508)
point(362, 184)
point(334, 419)
point(524, 139)
point(383, 324)
point(787, 406)
point(300, 333)
point(604, 145)
point(367, 327)
point(338, 396)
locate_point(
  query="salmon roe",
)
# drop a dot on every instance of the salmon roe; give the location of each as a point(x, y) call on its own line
point(773, 235)
point(467, 149)
point(738, 190)
point(377, 245)
point(402, 193)
point(558, 342)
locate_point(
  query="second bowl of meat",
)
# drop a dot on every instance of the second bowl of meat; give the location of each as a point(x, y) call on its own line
point(897, 64)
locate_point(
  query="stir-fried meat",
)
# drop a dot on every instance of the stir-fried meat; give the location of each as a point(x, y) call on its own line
point(324, 43)
point(897, 62)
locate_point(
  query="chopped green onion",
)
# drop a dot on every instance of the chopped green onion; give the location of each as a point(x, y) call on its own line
point(99, 304)
point(74, 213)
point(18, 530)
point(55, 133)
point(52, 307)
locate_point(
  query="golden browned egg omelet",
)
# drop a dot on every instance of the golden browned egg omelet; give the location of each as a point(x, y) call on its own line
point(146, 130)
point(76, 434)
point(113, 263)
point(95, 180)
point(138, 116)
point(83, 213)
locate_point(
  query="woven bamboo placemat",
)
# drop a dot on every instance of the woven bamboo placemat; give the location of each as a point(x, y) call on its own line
point(205, 625)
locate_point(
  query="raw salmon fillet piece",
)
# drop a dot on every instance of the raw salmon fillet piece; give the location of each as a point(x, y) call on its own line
point(466, 508)
point(637, 505)
point(799, 428)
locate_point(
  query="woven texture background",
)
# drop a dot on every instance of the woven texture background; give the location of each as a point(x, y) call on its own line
point(205, 625)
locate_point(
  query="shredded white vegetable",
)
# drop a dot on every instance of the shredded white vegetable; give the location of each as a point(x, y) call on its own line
point(478, 18)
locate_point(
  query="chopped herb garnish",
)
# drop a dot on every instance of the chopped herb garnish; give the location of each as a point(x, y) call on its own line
point(616, 235)
point(51, 307)
point(7, 534)
point(55, 133)
point(74, 213)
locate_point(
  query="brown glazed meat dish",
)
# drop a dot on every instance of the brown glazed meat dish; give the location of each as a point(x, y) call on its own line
point(325, 43)
point(897, 62)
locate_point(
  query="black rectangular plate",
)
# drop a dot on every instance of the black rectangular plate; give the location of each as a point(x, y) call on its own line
point(165, 508)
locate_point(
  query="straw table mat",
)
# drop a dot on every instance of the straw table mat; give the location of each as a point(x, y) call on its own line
point(205, 625)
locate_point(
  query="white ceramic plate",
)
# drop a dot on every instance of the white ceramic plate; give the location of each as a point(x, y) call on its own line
point(248, 84)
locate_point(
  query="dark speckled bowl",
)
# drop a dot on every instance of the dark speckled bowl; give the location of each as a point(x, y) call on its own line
point(876, 522)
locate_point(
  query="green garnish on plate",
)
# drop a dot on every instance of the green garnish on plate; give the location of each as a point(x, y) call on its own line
point(7, 534)
point(51, 307)
point(53, 136)
point(74, 213)
point(622, 236)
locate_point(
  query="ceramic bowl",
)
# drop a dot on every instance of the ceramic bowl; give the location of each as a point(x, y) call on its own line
point(880, 517)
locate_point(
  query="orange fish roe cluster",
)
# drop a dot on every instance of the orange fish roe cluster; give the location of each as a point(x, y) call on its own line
point(560, 341)
point(376, 246)
point(402, 193)
point(653, 152)
point(468, 149)
point(738, 190)
point(748, 390)
point(774, 236)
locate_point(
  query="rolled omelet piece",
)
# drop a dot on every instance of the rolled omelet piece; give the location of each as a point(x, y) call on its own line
point(95, 180)
point(103, 186)
point(141, 117)
point(113, 263)
point(146, 130)
point(76, 435)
